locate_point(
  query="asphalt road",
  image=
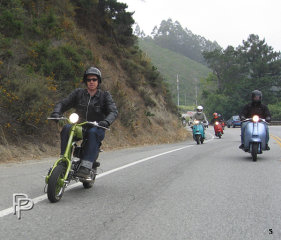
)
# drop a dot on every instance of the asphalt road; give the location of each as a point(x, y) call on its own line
point(175, 191)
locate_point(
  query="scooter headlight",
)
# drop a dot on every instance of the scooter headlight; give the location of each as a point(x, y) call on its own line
point(256, 118)
point(73, 118)
point(217, 123)
point(196, 122)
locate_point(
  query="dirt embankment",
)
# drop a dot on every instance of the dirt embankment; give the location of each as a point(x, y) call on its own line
point(144, 115)
point(116, 138)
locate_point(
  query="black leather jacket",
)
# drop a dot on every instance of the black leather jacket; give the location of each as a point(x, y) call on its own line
point(252, 109)
point(100, 107)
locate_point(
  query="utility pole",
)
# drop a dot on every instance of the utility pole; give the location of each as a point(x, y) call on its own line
point(196, 92)
point(178, 90)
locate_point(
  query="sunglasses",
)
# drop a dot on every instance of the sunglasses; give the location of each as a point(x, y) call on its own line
point(92, 79)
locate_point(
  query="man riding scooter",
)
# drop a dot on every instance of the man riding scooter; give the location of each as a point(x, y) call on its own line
point(217, 122)
point(216, 117)
point(199, 122)
point(255, 108)
point(199, 115)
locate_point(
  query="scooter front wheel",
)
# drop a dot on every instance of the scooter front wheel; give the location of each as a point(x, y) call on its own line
point(254, 153)
point(55, 187)
point(197, 139)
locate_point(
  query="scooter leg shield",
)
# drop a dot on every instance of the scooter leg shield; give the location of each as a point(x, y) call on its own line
point(248, 132)
point(262, 130)
point(255, 132)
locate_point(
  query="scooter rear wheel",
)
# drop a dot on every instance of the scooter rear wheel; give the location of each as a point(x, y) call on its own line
point(90, 183)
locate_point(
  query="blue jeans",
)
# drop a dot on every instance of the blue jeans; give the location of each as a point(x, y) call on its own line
point(92, 138)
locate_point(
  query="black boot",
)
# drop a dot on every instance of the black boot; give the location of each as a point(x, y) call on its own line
point(96, 164)
point(241, 146)
point(267, 147)
point(83, 172)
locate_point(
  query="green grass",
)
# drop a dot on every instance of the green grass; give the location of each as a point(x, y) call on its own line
point(170, 64)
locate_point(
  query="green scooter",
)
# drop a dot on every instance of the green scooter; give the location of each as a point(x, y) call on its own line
point(66, 167)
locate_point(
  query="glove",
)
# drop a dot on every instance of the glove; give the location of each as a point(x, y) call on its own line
point(104, 124)
point(267, 119)
point(55, 115)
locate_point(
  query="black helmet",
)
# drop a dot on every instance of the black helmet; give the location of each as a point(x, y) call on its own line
point(92, 71)
point(256, 96)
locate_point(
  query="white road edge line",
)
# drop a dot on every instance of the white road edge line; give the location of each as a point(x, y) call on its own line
point(41, 198)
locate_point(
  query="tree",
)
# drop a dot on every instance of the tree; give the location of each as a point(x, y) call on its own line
point(173, 36)
point(252, 65)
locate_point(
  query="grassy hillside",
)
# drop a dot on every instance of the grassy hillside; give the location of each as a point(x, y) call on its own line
point(45, 46)
point(170, 64)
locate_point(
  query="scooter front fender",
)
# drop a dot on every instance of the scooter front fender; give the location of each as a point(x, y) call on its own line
point(198, 130)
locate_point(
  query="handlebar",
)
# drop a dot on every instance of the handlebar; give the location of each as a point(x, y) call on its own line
point(61, 118)
point(79, 124)
point(97, 125)
point(251, 119)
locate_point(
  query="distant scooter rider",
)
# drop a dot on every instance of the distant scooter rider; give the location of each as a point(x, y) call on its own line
point(199, 115)
point(255, 108)
point(216, 117)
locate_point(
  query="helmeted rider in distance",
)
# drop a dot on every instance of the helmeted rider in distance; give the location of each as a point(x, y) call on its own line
point(200, 116)
point(216, 117)
point(91, 104)
point(255, 108)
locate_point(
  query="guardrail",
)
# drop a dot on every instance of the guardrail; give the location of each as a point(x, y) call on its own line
point(275, 123)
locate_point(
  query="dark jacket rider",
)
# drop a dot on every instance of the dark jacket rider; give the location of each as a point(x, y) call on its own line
point(216, 117)
point(254, 108)
point(91, 104)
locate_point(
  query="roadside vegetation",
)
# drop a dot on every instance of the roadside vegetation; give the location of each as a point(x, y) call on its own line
point(239, 71)
point(45, 46)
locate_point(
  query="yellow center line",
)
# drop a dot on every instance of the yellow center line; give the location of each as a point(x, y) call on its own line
point(277, 139)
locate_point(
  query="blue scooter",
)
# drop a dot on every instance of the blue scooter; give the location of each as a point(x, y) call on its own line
point(198, 131)
point(255, 136)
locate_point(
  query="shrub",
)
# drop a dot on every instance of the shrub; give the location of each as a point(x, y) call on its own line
point(148, 101)
point(127, 110)
point(28, 101)
point(65, 63)
point(133, 70)
point(275, 110)
point(11, 19)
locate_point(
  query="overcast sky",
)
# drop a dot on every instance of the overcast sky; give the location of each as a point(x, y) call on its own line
point(226, 21)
